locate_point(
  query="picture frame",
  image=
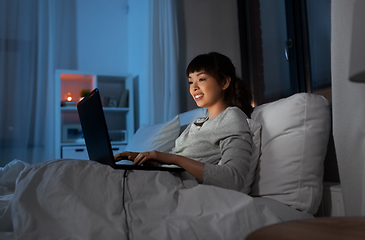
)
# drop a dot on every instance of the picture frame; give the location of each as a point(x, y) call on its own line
point(110, 102)
point(72, 133)
point(119, 136)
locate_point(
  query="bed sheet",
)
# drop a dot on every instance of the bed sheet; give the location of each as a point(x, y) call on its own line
point(79, 199)
point(283, 212)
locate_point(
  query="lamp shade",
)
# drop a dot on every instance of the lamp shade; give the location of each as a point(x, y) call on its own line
point(357, 57)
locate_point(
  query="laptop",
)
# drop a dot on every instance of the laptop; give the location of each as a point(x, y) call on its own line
point(97, 139)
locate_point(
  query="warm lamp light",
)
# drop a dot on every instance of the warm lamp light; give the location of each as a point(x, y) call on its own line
point(357, 57)
point(69, 97)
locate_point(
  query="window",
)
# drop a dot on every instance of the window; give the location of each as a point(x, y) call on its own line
point(285, 47)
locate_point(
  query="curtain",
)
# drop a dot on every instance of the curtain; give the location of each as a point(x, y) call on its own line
point(163, 57)
point(348, 99)
point(36, 37)
point(158, 71)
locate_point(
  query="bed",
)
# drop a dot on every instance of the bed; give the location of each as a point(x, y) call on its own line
point(79, 199)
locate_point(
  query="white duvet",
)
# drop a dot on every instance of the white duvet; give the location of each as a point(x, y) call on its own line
point(78, 199)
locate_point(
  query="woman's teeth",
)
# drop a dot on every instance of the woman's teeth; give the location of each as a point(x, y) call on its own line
point(198, 96)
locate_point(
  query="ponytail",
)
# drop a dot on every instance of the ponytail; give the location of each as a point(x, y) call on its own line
point(238, 94)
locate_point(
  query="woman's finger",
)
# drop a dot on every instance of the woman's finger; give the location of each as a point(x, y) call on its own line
point(125, 156)
point(141, 158)
point(118, 156)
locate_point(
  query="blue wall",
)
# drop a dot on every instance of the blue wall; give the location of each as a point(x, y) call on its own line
point(102, 41)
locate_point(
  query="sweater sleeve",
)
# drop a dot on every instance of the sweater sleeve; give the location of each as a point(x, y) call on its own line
point(235, 141)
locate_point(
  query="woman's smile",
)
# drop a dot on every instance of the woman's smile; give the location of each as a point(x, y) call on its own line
point(199, 96)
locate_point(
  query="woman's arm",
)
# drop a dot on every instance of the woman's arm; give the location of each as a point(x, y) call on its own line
point(191, 166)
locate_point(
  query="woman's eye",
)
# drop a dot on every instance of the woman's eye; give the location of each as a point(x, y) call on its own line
point(190, 83)
point(201, 79)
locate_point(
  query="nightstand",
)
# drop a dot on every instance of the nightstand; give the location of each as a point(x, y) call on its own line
point(332, 201)
point(334, 228)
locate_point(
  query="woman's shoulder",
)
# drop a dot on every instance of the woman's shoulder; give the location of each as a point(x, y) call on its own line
point(233, 114)
point(233, 117)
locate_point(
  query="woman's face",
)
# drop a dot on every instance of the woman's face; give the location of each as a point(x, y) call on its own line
point(205, 90)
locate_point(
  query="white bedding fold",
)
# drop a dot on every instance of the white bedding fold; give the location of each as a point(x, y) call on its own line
point(81, 199)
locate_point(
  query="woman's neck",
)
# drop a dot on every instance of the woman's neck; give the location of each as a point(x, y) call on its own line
point(216, 110)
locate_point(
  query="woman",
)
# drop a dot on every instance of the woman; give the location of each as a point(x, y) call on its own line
point(216, 150)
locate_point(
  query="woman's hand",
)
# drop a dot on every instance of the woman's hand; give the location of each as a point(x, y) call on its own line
point(153, 157)
point(191, 166)
point(125, 156)
point(138, 158)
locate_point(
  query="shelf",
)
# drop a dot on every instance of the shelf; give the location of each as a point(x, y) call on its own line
point(115, 109)
point(72, 144)
point(68, 109)
point(80, 151)
point(106, 109)
point(115, 90)
point(65, 144)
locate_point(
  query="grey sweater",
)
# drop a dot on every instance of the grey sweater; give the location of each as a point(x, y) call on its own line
point(224, 144)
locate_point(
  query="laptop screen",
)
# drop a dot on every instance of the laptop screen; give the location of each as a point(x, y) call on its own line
point(94, 128)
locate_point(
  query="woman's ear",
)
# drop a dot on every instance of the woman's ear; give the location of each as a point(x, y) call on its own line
point(227, 83)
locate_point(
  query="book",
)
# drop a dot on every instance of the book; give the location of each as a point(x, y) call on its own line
point(123, 99)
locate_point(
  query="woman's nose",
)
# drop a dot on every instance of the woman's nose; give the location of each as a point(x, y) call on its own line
point(195, 86)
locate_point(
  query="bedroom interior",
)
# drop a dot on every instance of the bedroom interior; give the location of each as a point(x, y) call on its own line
point(103, 42)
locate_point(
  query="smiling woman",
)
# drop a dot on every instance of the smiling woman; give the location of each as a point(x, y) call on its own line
point(215, 150)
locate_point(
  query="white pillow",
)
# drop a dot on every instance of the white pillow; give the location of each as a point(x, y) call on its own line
point(160, 137)
point(255, 128)
point(295, 133)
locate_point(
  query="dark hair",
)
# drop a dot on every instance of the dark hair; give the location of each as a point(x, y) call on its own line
point(221, 67)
